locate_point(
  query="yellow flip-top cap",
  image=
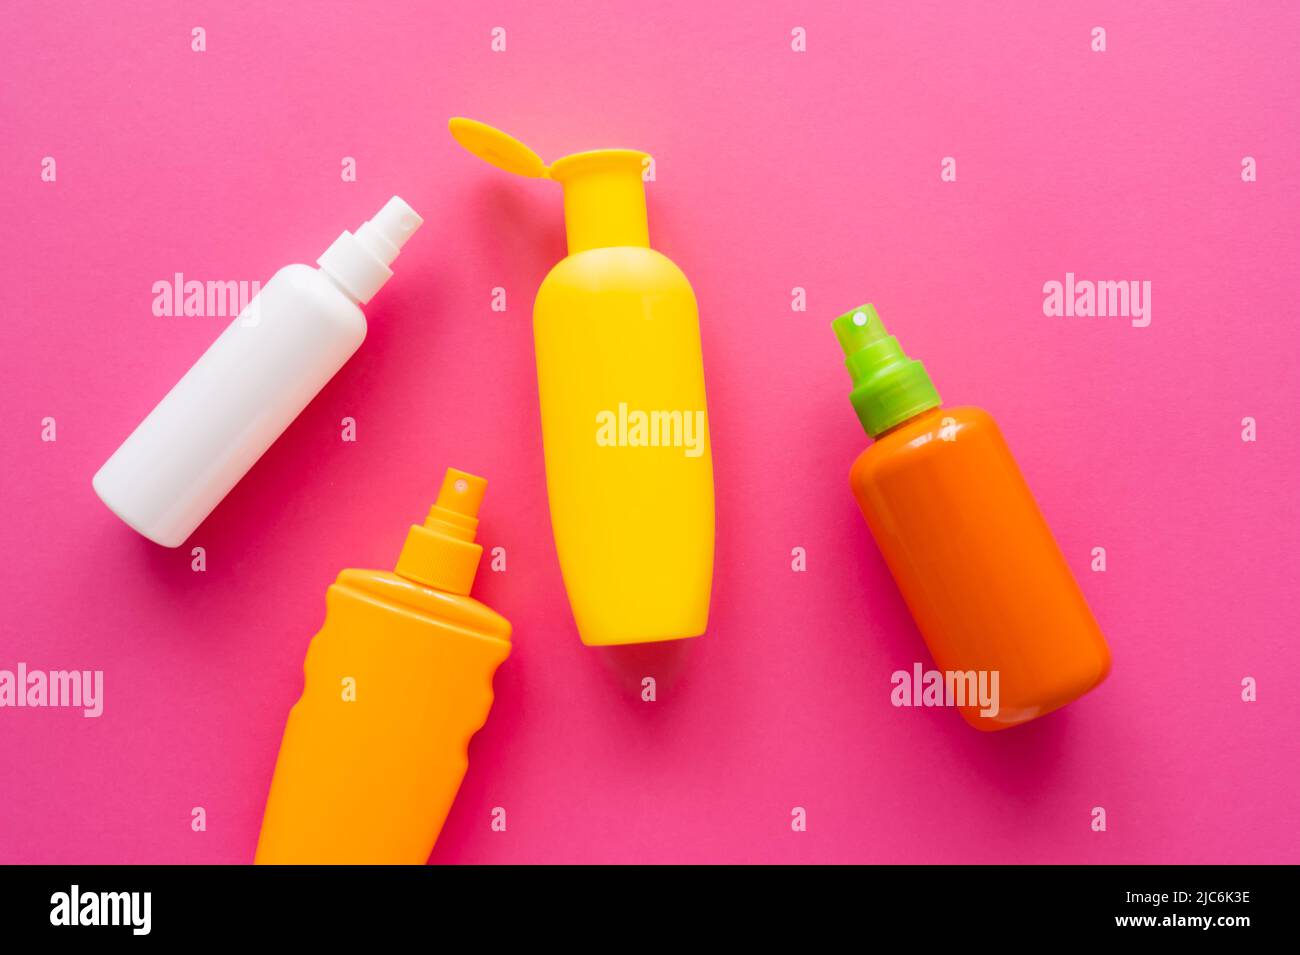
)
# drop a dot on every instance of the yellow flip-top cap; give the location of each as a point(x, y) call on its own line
point(496, 147)
point(604, 195)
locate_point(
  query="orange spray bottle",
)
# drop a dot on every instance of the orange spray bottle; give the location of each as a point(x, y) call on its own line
point(397, 681)
point(963, 537)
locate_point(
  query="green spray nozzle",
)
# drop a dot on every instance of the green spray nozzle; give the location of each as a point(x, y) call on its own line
point(888, 387)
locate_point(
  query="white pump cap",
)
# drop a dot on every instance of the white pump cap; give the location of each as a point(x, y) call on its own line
point(359, 262)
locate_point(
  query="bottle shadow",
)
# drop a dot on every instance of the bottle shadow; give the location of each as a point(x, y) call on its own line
point(631, 666)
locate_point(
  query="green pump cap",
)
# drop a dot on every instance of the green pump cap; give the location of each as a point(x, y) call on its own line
point(888, 387)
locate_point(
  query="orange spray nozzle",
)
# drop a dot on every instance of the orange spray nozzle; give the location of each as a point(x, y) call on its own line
point(441, 553)
point(456, 510)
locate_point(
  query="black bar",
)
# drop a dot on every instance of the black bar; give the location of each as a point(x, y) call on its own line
point(1051, 904)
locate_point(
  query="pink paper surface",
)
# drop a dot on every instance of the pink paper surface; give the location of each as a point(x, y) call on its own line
point(776, 169)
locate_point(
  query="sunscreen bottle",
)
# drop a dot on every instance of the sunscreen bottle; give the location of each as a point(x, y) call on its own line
point(397, 681)
point(620, 375)
point(963, 537)
point(251, 383)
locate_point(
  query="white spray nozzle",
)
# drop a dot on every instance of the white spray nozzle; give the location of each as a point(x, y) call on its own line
point(359, 263)
point(388, 231)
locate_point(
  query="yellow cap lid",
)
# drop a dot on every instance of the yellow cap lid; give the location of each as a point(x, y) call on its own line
point(441, 553)
point(496, 147)
point(604, 194)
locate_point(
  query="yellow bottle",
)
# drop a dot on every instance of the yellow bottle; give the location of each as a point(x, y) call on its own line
point(397, 681)
point(629, 469)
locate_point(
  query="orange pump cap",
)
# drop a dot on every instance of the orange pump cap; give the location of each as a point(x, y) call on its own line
point(441, 553)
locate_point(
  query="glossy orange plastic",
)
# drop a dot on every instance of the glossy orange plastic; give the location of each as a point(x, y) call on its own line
point(977, 564)
point(397, 681)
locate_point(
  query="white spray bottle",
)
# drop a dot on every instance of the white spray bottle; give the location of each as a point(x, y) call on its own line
point(251, 383)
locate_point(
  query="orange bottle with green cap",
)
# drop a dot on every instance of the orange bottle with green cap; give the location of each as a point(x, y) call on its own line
point(397, 681)
point(964, 539)
point(620, 375)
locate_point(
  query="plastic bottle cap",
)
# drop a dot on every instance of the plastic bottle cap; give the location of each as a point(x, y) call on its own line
point(496, 147)
point(441, 553)
point(360, 262)
point(604, 195)
point(888, 387)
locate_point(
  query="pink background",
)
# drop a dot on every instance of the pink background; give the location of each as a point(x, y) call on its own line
point(775, 169)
